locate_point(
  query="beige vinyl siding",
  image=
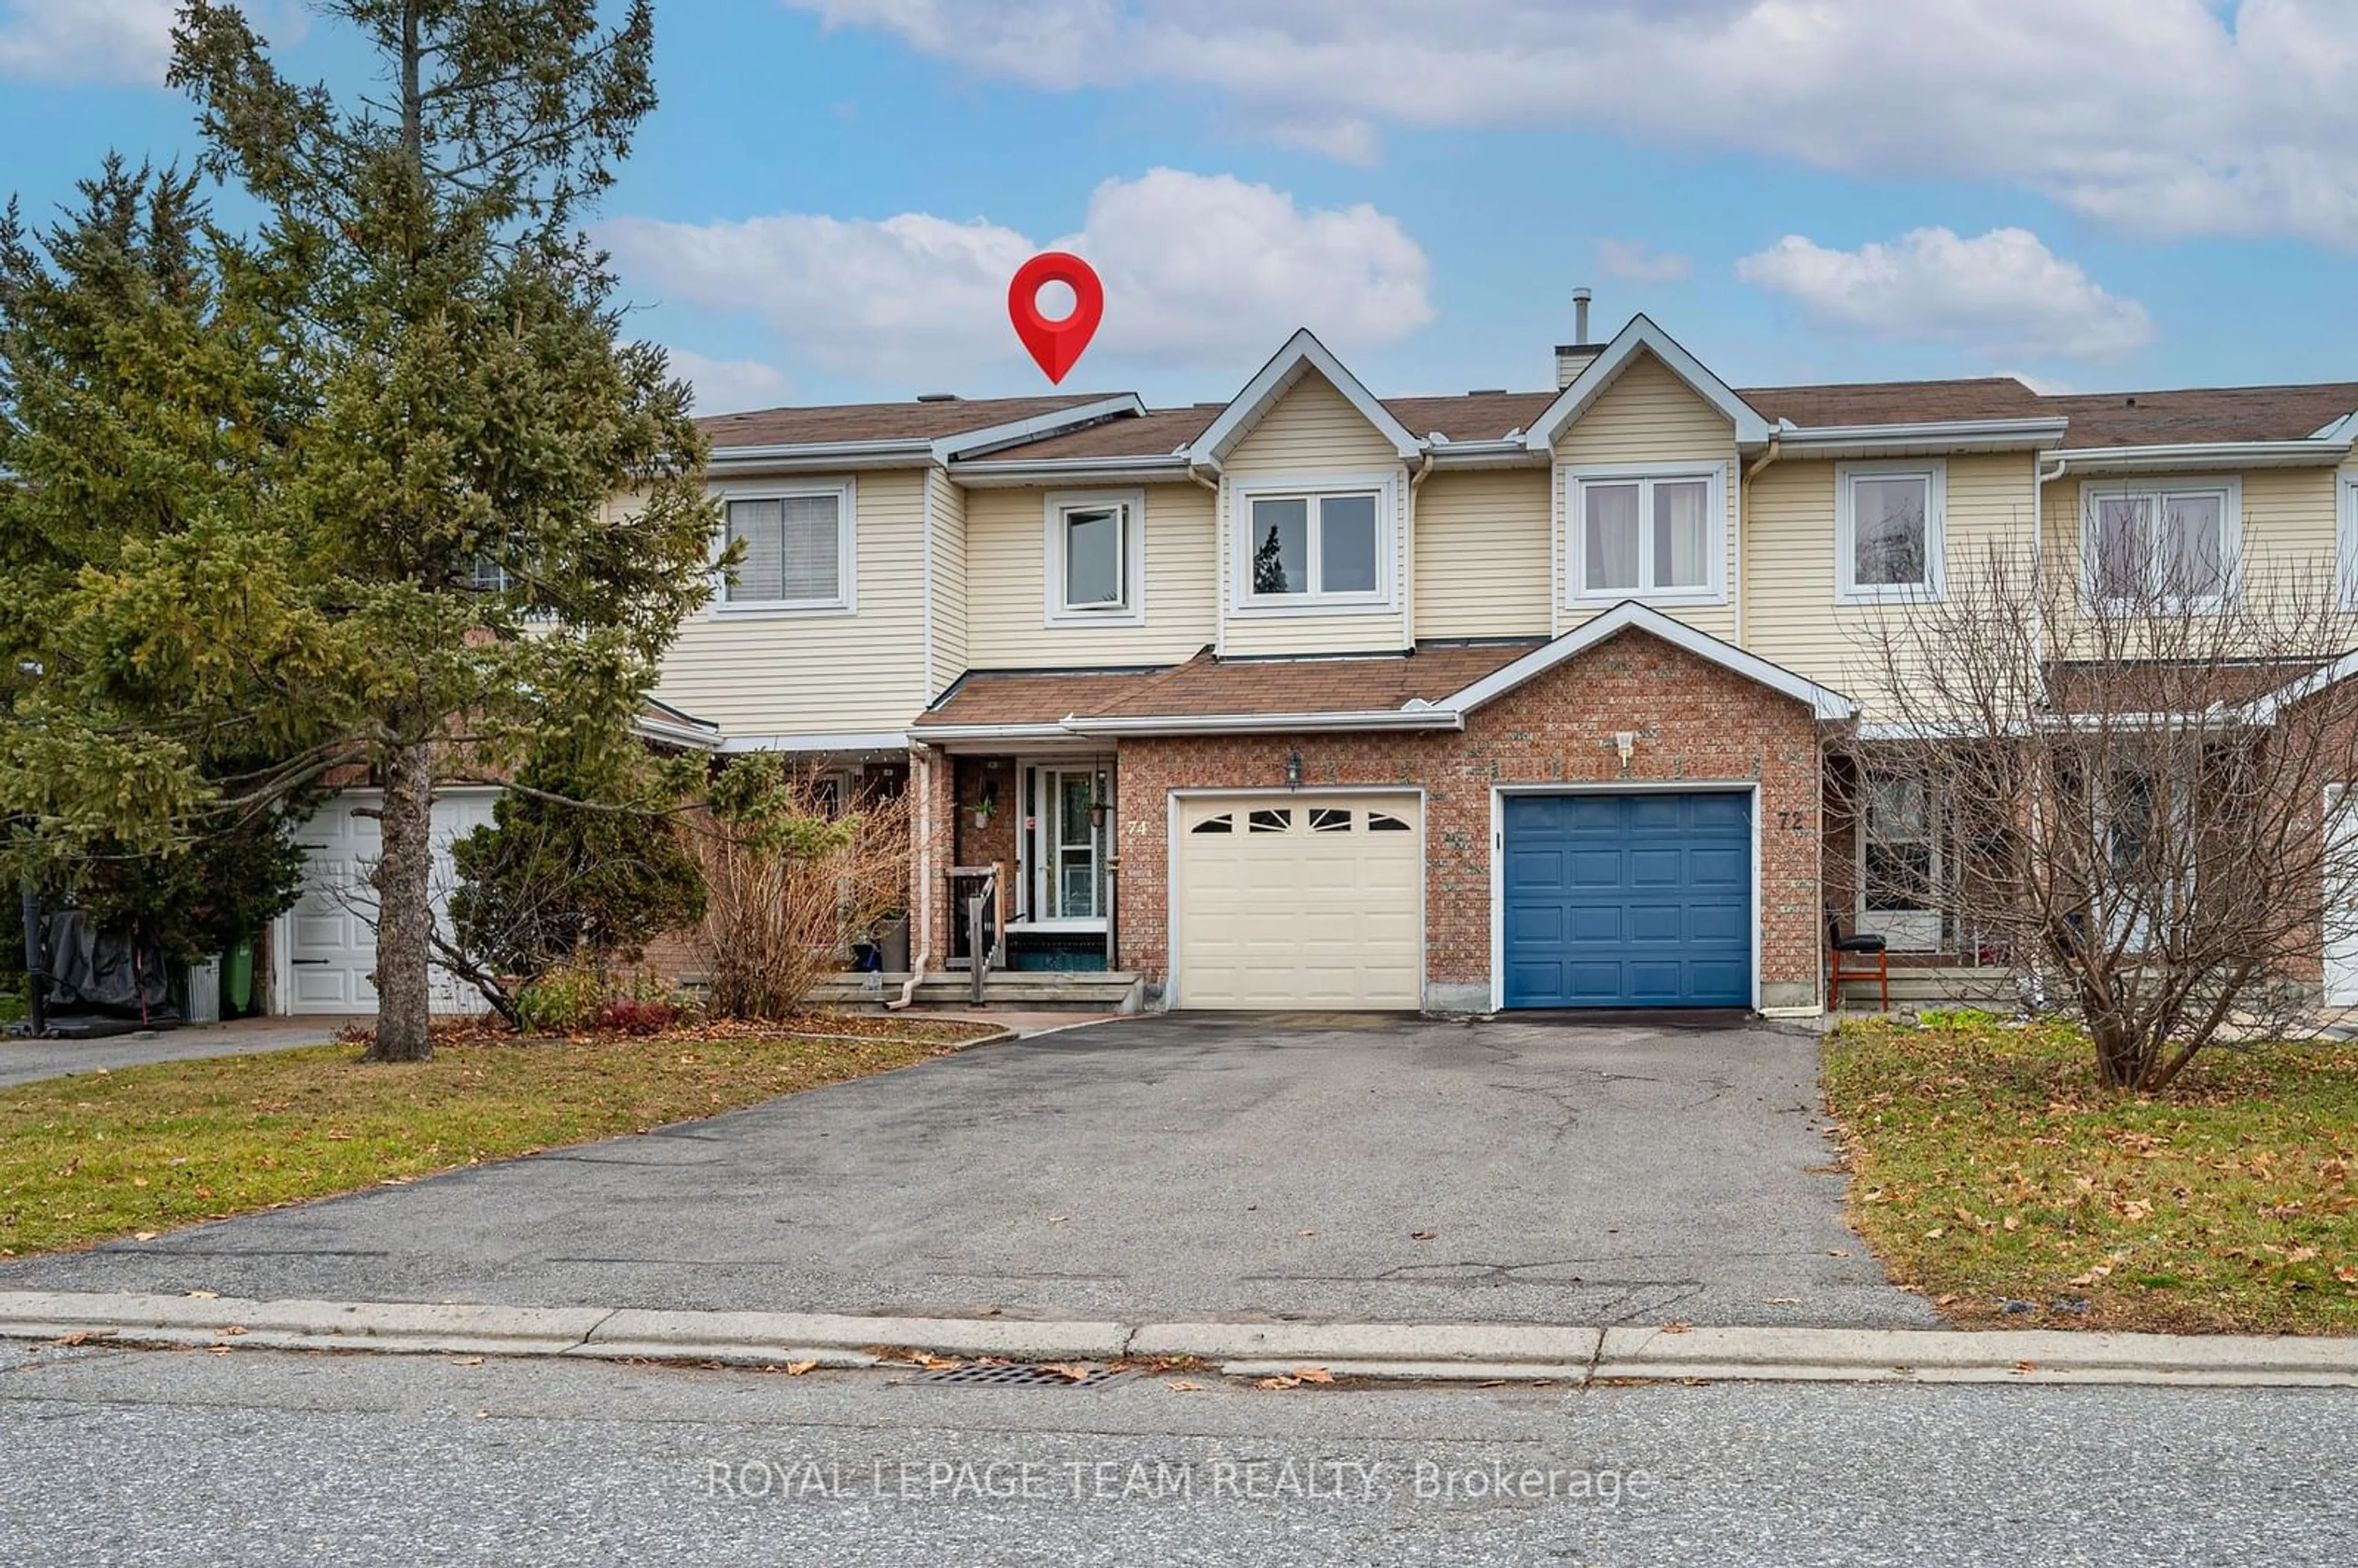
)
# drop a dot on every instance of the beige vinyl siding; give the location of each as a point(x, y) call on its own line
point(1792, 616)
point(2289, 519)
point(1007, 590)
point(1649, 416)
point(947, 655)
point(1313, 429)
point(835, 673)
point(1482, 553)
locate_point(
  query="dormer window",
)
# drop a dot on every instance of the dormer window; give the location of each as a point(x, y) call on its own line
point(1096, 552)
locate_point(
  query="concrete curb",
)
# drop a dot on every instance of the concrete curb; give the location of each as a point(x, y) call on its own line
point(1422, 1352)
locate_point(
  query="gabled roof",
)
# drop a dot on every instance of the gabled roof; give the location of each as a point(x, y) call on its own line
point(1642, 336)
point(1631, 616)
point(1302, 354)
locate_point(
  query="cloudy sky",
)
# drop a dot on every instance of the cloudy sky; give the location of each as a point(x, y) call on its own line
point(2088, 193)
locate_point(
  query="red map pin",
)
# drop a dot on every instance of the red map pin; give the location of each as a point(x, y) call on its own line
point(1056, 346)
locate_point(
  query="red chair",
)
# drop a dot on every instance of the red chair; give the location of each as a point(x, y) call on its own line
point(1861, 950)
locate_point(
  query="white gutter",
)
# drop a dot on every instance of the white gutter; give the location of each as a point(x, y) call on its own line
point(672, 734)
point(1950, 435)
point(1271, 723)
point(2203, 455)
point(1163, 470)
point(951, 734)
point(1507, 452)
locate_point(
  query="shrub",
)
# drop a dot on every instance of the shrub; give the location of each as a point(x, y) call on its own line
point(562, 1001)
point(629, 1016)
point(790, 884)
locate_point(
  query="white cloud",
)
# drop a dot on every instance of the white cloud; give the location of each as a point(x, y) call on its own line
point(2003, 293)
point(1640, 263)
point(729, 386)
point(1198, 269)
point(86, 40)
point(2169, 116)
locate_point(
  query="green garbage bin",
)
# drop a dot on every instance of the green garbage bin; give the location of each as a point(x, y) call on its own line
point(237, 980)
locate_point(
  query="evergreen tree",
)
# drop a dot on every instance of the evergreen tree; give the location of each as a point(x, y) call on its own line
point(446, 389)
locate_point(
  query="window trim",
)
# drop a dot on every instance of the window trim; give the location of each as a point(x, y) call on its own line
point(2345, 537)
point(2228, 488)
point(1242, 494)
point(1576, 595)
point(1131, 611)
point(1934, 471)
point(846, 600)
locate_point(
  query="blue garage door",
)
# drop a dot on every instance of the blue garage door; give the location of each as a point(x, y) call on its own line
point(1629, 900)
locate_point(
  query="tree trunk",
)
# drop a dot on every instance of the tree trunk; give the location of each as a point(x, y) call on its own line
point(405, 918)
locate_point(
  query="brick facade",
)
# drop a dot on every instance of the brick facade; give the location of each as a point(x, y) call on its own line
point(1694, 720)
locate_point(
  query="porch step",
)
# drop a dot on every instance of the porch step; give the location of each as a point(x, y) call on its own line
point(1116, 991)
point(1929, 985)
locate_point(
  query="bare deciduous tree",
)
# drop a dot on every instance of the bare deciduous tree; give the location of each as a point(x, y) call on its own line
point(2130, 767)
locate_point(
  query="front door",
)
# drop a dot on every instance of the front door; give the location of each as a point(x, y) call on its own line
point(1072, 808)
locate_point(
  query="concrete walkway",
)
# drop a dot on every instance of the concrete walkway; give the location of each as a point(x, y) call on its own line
point(29, 1061)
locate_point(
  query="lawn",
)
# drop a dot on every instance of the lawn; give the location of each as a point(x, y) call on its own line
point(1988, 1168)
point(143, 1149)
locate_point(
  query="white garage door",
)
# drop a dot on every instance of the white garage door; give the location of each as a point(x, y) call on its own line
point(1303, 900)
point(327, 941)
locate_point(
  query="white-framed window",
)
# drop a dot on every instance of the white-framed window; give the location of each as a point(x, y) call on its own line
point(1654, 531)
point(2346, 540)
point(1323, 544)
point(1889, 531)
point(1096, 557)
point(2177, 542)
point(798, 556)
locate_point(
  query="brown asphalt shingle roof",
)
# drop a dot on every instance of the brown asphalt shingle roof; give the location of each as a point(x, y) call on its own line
point(883, 421)
point(1205, 685)
point(2204, 414)
point(2097, 420)
point(1157, 433)
point(1898, 402)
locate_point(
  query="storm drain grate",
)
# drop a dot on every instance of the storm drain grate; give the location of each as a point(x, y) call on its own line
point(1015, 1377)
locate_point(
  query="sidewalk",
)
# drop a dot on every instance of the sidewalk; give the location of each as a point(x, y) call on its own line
point(1418, 1352)
point(29, 1061)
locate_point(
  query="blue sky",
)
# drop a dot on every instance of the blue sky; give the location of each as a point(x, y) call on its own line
point(831, 199)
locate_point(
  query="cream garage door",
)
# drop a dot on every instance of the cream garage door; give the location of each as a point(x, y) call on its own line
point(329, 936)
point(1303, 900)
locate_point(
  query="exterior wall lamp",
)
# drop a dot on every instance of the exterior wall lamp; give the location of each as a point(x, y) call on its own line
point(1293, 770)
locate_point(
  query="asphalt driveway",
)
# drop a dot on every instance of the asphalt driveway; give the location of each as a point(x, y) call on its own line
point(1331, 1167)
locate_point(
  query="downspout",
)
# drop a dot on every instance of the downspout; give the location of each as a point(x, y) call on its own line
point(2043, 478)
point(1743, 488)
point(1408, 551)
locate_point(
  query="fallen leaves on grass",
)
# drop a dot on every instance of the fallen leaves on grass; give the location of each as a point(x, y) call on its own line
point(152, 1148)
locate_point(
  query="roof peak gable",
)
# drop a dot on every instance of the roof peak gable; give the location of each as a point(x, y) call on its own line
point(1302, 354)
point(1642, 336)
